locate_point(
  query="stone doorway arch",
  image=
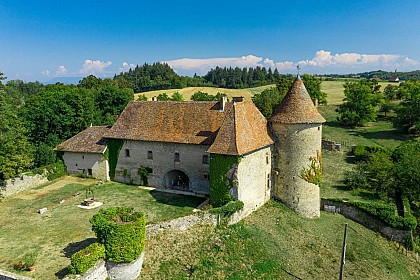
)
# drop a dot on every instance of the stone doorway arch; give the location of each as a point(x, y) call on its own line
point(178, 180)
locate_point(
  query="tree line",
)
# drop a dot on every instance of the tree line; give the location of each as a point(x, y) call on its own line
point(34, 118)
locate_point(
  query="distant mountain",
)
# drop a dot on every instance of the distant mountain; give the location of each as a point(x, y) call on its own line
point(65, 80)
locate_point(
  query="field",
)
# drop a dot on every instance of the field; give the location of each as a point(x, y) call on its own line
point(64, 228)
point(187, 92)
point(275, 243)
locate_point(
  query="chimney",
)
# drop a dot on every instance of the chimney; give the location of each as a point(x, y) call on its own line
point(238, 99)
point(222, 102)
point(154, 98)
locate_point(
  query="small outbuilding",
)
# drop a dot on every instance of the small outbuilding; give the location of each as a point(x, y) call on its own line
point(84, 153)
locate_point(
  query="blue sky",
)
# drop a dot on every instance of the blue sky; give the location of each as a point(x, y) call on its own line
point(42, 40)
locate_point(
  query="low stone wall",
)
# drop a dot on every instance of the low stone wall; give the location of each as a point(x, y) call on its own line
point(361, 217)
point(330, 145)
point(23, 182)
point(97, 272)
point(5, 275)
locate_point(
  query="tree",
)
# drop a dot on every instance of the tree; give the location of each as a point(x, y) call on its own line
point(408, 112)
point(359, 104)
point(313, 86)
point(110, 101)
point(406, 169)
point(391, 92)
point(90, 82)
point(15, 150)
point(141, 97)
point(163, 97)
point(268, 100)
point(202, 96)
point(176, 96)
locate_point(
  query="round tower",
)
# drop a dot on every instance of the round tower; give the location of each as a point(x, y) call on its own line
point(298, 127)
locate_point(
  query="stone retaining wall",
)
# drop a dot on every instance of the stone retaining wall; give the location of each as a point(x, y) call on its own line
point(361, 217)
point(20, 183)
point(330, 145)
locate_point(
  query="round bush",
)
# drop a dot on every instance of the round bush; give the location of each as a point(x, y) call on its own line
point(122, 231)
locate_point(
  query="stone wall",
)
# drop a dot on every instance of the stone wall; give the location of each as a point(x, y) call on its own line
point(23, 182)
point(361, 217)
point(97, 272)
point(254, 178)
point(163, 161)
point(80, 163)
point(296, 143)
point(330, 145)
point(5, 275)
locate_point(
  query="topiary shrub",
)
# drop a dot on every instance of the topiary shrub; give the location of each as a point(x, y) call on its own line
point(122, 231)
point(86, 258)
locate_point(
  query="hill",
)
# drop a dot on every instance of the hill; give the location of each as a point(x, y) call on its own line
point(187, 92)
point(276, 243)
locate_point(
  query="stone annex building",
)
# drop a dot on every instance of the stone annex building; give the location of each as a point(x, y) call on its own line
point(187, 146)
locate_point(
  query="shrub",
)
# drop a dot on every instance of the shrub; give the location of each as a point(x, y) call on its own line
point(386, 213)
point(363, 153)
point(122, 231)
point(228, 209)
point(55, 170)
point(86, 258)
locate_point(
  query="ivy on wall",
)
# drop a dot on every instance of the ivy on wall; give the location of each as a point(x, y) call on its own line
point(113, 150)
point(219, 183)
point(313, 174)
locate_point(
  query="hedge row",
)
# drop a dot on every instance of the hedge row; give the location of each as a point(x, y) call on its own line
point(386, 213)
point(86, 258)
point(122, 231)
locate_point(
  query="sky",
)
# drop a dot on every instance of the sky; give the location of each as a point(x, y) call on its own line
point(45, 40)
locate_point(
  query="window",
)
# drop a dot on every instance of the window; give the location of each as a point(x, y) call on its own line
point(206, 176)
point(127, 152)
point(205, 159)
point(176, 158)
point(90, 172)
point(149, 155)
point(83, 157)
point(267, 160)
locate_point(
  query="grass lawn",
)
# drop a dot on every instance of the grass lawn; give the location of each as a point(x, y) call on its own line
point(64, 228)
point(276, 243)
point(247, 93)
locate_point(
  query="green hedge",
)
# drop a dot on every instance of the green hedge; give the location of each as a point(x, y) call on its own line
point(113, 149)
point(219, 184)
point(363, 153)
point(122, 231)
point(86, 258)
point(228, 209)
point(386, 213)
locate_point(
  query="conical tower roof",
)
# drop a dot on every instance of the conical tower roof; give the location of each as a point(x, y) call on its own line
point(297, 106)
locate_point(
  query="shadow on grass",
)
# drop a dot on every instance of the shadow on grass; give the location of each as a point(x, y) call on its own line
point(176, 199)
point(387, 134)
point(70, 250)
point(77, 246)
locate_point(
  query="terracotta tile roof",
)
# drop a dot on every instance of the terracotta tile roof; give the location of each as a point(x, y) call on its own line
point(244, 130)
point(297, 107)
point(169, 121)
point(236, 130)
point(88, 141)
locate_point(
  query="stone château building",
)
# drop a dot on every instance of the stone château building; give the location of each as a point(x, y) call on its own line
point(211, 147)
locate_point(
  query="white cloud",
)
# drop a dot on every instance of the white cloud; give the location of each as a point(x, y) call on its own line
point(126, 66)
point(94, 67)
point(61, 71)
point(46, 73)
point(323, 61)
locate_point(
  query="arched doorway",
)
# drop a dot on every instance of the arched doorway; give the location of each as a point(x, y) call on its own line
point(178, 180)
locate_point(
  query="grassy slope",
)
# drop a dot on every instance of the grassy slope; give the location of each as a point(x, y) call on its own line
point(275, 243)
point(22, 229)
point(187, 92)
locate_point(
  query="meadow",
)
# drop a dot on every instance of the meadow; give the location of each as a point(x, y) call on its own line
point(64, 229)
